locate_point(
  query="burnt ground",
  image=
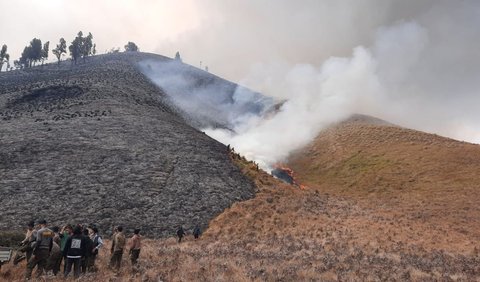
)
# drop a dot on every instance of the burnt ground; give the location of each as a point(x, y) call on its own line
point(99, 143)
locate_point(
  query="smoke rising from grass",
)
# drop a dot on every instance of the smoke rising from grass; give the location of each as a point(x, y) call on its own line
point(412, 64)
point(388, 80)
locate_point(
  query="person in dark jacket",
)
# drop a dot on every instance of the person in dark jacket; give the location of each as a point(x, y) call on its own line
point(88, 254)
point(180, 234)
point(196, 232)
point(75, 249)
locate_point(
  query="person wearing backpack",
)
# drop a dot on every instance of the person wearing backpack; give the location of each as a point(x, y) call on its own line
point(97, 244)
point(41, 251)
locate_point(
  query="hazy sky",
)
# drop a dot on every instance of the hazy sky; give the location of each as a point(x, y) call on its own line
point(112, 22)
point(229, 36)
point(413, 62)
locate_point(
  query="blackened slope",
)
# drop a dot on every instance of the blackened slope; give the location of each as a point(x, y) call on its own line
point(98, 143)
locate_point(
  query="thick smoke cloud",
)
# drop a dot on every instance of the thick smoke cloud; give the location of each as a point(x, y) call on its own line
point(413, 64)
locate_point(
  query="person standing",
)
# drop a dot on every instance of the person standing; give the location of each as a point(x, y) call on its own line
point(65, 234)
point(41, 251)
point(117, 249)
point(115, 230)
point(97, 244)
point(180, 234)
point(197, 232)
point(26, 244)
point(88, 253)
point(56, 254)
point(75, 249)
point(135, 245)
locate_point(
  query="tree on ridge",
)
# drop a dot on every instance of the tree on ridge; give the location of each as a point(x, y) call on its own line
point(131, 47)
point(4, 56)
point(45, 50)
point(60, 49)
point(177, 57)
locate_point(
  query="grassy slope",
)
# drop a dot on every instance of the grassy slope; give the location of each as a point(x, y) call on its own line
point(405, 175)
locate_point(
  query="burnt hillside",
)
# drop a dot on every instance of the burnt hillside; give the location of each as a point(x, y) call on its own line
point(99, 143)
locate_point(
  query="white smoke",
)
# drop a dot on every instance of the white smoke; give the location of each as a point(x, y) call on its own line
point(319, 96)
point(378, 81)
point(414, 64)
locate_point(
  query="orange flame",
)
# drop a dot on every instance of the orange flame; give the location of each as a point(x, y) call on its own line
point(290, 173)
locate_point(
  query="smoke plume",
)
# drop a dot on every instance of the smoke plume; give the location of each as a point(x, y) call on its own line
point(413, 64)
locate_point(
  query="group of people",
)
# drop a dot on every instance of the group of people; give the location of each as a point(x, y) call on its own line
point(77, 246)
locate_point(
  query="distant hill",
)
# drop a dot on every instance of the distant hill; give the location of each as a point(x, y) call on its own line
point(421, 176)
point(100, 143)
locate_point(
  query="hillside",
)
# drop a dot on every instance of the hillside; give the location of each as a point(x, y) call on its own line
point(404, 175)
point(100, 143)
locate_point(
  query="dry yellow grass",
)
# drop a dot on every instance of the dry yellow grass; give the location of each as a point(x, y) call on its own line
point(427, 185)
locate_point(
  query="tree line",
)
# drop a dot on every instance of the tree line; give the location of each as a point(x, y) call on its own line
point(80, 48)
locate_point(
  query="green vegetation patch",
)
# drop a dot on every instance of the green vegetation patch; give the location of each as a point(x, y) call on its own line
point(10, 238)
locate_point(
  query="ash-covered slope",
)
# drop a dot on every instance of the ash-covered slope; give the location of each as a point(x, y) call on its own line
point(99, 143)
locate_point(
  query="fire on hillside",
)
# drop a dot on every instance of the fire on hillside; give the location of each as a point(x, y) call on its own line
point(286, 174)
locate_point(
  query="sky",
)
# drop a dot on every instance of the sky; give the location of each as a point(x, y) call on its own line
point(415, 63)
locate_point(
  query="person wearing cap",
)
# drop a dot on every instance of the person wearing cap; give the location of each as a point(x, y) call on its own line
point(135, 245)
point(41, 251)
point(75, 249)
point(117, 249)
